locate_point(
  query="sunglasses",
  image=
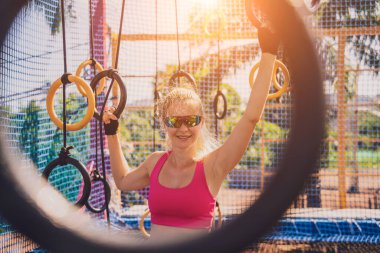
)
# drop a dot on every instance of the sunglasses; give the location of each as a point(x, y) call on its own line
point(177, 121)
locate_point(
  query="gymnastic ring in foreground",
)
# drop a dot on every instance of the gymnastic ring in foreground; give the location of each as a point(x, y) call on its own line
point(215, 105)
point(282, 89)
point(308, 6)
point(250, 14)
point(220, 215)
point(184, 74)
point(65, 159)
point(98, 67)
point(63, 229)
point(69, 78)
point(96, 177)
point(221, 22)
point(113, 74)
point(312, 5)
point(142, 225)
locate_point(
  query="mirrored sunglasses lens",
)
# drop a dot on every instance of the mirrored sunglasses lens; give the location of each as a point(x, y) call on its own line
point(169, 121)
point(173, 122)
point(192, 121)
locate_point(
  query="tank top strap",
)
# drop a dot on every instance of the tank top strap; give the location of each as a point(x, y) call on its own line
point(160, 163)
point(199, 175)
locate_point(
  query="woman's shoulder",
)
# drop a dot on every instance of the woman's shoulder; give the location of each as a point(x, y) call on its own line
point(152, 160)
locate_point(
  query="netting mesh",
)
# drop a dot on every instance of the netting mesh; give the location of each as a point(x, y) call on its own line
point(218, 46)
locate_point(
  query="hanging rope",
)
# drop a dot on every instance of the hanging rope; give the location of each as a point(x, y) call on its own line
point(64, 71)
point(180, 73)
point(156, 95)
point(96, 176)
point(64, 155)
point(219, 92)
point(113, 74)
point(94, 64)
point(177, 33)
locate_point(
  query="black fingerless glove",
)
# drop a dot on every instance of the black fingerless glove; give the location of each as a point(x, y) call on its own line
point(268, 40)
point(111, 128)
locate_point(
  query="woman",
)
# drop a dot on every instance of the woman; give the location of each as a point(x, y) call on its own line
point(185, 180)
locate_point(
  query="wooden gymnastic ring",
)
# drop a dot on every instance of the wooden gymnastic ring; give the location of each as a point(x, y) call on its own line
point(221, 22)
point(283, 88)
point(98, 67)
point(141, 223)
point(90, 101)
point(185, 74)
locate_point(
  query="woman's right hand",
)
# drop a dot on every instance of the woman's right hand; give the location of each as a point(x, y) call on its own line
point(111, 122)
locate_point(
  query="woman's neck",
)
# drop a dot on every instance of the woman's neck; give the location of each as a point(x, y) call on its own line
point(181, 158)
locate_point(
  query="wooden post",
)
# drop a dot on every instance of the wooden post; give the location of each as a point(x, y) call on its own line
point(341, 122)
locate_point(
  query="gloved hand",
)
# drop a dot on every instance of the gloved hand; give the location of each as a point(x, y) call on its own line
point(268, 40)
point(111, 122)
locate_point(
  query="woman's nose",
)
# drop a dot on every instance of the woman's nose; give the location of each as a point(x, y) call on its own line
point(183, 127)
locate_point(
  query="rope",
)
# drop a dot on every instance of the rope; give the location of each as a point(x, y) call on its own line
point(156, 81)
point(177, 34)
point(218, 72)
point(103, 106)
point(92, 54)
point(119, 37)
point(65, 71)
point(92, 57)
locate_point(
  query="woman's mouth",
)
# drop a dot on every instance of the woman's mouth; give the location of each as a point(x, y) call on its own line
point(183, 137)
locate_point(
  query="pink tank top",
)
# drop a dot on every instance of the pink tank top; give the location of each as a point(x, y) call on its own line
point(191, 206)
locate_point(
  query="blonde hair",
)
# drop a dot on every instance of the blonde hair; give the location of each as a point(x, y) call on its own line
point(206, 142)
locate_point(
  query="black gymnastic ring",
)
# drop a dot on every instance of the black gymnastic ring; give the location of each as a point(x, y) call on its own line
point(251, 16)
point(113, 74)
point(215, 105)
point(181, 73)
point(80, 167)
point(106, 187)
point(60, 234)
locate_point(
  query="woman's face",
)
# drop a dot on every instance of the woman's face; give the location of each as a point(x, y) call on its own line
point(185, 136)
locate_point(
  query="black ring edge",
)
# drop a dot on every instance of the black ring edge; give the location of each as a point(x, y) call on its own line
point(80, 167)
point(111, 73)
point(106, 201)
point(215, 105)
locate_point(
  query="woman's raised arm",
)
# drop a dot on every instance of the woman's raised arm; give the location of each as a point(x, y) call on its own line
point(125, 179)
point(225, 158)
